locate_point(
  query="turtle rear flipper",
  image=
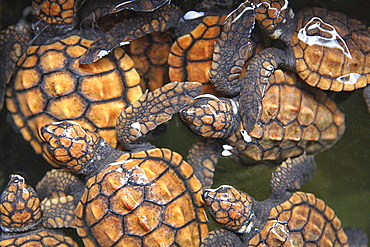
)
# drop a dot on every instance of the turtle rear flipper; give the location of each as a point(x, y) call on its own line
point(60, 192)
point(13, 44)
point(58, 182)
point(132, 28)
point(153, 109)
point(203, 156)
point(58, 212)
point(222, 238)
point(356, 237)
point(291, 174)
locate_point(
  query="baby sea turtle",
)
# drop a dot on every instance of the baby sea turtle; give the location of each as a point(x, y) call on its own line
point(292, 118)
point(22, 218)
point(286, 218)
point(327, 49)
point(272, 108)
point(147, 198)
point(48, 83)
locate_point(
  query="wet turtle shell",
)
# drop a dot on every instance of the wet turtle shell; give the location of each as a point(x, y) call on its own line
point(21, 218)
point(345, 69)
point(285, 218)
point(141, 198)
point(327, 49)
point(49, 84)
point(293, 118)
point(190, 56)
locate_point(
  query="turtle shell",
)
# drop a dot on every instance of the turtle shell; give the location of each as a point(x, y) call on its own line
point(301, 220)
point(191, 54)
point(150, 54)
point(148, 198)
point(331, 50)
point(293, 118)
point(49, 84)
point(21, 217)
point(38, 238)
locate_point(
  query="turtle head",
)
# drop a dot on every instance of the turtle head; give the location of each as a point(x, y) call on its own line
point(70, 143)
point(230, 207)
point(19, 206)
point(213, 117)
point(58, 15)
point(276, 18)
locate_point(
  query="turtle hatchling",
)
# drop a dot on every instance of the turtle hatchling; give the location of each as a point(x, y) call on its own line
point(22, 219)
point(147, 198)
point(284, 219)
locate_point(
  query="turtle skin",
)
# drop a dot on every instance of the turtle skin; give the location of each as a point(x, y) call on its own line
point(286, 218)
point(49, 84)
point(293, 118)
point(233, 50)
point(95, 9)
point(21, 218)
point(130, 28)
point(327, 49)
point(146, 198)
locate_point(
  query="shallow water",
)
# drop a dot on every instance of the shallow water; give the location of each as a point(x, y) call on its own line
point(342, 175)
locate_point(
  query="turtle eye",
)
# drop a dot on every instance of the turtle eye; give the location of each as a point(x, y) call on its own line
point(225, 196)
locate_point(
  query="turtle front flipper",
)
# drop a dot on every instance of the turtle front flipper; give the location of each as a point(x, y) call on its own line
point(222, 238)
point(92, 10)
point(13, 44)
point(203, 156)
point(132, 28)
point(356, 237)
point(292, 174)
point(257, 80)
point(232, 50)
point(153, 109)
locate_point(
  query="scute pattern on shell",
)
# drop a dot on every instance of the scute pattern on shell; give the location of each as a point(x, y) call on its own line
point(321, 66)
point(293, 118)
point(49, 85)
point(190, 56)
point(146, 196)
point(298, 221)
point(39, 238)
